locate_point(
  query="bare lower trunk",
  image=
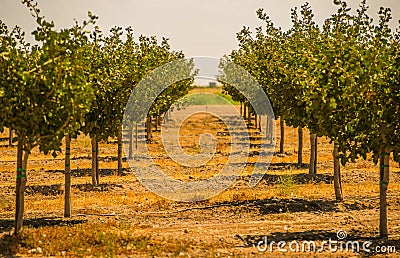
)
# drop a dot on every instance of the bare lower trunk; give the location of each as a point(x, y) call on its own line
point(137, 136)
point(67, 177)
point(383, 186)
point(255, 120)
point(166, 117)
point(300, 146)
point(282, 140)
point(269, 129)
point(22, 161)
point(149, 128)
point(120, 150)
point(313, 155)
point(244, 111)
point(248, 116)
point(130, 133)
point(10, 138)
point(336, 174)
point(94, 160)
point(97, 162)
point(241, 108)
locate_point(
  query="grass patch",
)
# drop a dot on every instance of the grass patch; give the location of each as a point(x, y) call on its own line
point(204, 98)
point(108, 239)
point(6, 204)
point(287, 185)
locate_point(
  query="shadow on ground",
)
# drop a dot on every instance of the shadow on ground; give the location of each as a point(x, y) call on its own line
point(7, 224)
point(311, 241)
point(302, 178)
point(81, 172)
point(276, 206)
point(57, 189)
point(101, 158)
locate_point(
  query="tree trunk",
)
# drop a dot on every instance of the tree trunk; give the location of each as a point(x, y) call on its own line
point(166, 117)
point(148, 128)
point(255, 120)
point(120, 150)
point(244, 111)
point(336, 174)
point(316, 154)
point(19, 190)
point(94, 160)
point(97, 162)
point(156, 123)
point(67, 177)
point(272, 124)
point(300, 146)
point(313, 154)
point(241, 108)
point(248, 116)
point(269, 128)
point(383, 186)
point(137, 136)
point(282, 140)
point(259, 123)
point(10, 138)
point(130, 133)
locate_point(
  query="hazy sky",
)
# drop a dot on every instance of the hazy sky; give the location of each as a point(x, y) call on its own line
point(199, 28)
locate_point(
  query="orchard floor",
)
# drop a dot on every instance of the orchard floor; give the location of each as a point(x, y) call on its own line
point(120, 217)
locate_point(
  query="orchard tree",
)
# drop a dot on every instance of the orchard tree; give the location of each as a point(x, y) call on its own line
point(360, 90)
point(151, 58)
point(46, 91)
point(108, 70)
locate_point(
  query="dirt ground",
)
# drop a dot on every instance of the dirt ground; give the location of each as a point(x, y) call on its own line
point(121, 217)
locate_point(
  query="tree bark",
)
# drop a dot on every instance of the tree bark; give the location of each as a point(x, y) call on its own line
point(383, 186)
point(10, 138)
point(272, 124)
point(19, 191)
point(97, 162)
point(166, 118)
point(269, 128)
point(149, 128)
point(120, 150)
point(316, 154)
point(282, 140)
point(248, 116)
point(255, 120)
point(94, 160)
point(313, 154)
point(244, 111)
point(67, 177)
point(336, 174)
point(300, 146)
point(137, 136)
point(130, 133)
